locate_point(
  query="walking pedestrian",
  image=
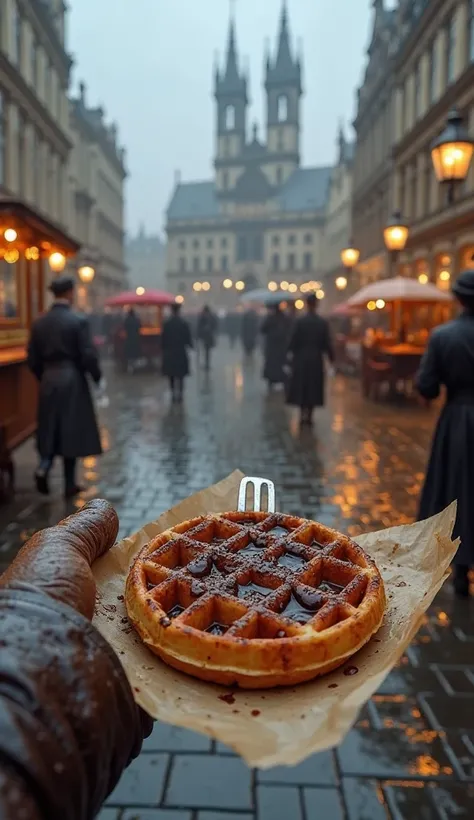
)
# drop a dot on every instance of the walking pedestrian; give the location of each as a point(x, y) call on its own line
point(133, 340)
point(310, 345)
point(61, 354)
point(449, 362)
point(176, 341)
point(206, 333)
point(276, 332)
point(249, 331)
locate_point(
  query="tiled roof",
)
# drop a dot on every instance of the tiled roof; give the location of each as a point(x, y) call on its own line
point(305, 190)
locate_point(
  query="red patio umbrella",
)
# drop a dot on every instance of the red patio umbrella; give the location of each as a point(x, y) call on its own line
point(148, 297)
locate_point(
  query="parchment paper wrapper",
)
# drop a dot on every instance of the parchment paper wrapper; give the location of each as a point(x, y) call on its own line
point(282, 726)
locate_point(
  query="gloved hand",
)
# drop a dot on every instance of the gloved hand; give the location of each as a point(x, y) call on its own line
point(68, 721)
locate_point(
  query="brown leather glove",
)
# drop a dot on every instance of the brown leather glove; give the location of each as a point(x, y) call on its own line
point(68, 722)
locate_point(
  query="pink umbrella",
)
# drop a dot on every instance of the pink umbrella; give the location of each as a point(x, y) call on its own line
point(398, 289)
point(148, 297)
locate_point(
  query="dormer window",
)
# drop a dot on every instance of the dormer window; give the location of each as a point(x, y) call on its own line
point(282, 108)
point(230, 118)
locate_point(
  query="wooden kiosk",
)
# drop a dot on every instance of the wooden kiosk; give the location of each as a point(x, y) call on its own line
point(31, 248)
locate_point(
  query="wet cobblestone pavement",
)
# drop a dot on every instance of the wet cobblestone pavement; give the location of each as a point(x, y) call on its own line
point(411, 755)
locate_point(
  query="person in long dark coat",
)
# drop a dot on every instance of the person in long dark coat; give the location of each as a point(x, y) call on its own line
point(61, 354)
point(133, 341)
point(176, 342)
point(309, 345)
point(449, 362)
point(249, 331)
point(276, 331)
point(206, 333)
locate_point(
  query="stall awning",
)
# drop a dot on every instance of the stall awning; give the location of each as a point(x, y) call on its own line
point(47, 234)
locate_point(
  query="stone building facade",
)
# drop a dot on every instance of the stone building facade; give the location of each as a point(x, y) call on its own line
point(96, 187)
point(338, 222)
point(420, 66)
point(57, 156)
point(146, 260)
point(261, 218)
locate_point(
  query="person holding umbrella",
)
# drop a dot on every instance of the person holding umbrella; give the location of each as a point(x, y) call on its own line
point(449, 361)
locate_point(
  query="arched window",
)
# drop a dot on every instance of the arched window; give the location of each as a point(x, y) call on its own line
point(282, 109)
point(230, 118)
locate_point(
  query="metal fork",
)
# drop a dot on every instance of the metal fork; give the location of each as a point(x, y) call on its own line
point(257, 484)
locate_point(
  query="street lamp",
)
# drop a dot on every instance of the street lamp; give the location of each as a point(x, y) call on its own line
point(395, 236)
point(341, 282)
point(86, 274)
point(227, 283)
point(140, 291)
point(451, 153)
point(350, 256)
point(57, 262)
point(179, 299)
point(240, 285)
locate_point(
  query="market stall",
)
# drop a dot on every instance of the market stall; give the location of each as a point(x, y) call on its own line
point(401, 313)
point(148, 306)
point(30, 249)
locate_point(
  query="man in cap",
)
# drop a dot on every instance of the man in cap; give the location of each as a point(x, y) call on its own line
point(449, 361)
point(61, 355)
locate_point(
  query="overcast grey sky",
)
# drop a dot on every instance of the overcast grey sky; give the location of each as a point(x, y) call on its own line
point(150, 63)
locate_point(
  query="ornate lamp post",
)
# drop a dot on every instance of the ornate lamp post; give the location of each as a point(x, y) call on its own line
point(451, 153)
point(349, 258)
point(395, 236)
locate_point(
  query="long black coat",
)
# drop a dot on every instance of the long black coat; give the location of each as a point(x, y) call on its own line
point(276, 330)
point(176, 340)
point(310, 342)
point(449, 361)
point(61, 354)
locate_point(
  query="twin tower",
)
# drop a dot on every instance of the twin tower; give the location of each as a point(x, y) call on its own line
point(235, 155)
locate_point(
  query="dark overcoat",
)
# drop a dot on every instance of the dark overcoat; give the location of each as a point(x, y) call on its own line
point(61, 354)
point(449, 361)
point(310, 342)
point(206, 329)
point(276, 330)
point(133, 339)
point(249, 330)
point(176, 341)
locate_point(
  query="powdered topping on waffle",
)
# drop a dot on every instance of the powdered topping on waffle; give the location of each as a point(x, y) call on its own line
point(252, 577)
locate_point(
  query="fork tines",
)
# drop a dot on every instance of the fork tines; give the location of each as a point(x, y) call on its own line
point(257, 484)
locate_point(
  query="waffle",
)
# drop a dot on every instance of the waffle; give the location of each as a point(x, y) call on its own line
point(254, 600)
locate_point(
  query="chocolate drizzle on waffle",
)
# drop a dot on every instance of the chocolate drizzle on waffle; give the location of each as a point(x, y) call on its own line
point(228, 575)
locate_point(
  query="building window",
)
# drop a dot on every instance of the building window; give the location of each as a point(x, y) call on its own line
point(308, 261)
point(22, 159)
point(291, 261)
point(417, 91)
point(275, 240)
point(182, 264)
point(308, 238)
point(210, 243)
point(242, 248)
point(257, 248)
point(224, 242)
point(280, 140)
point(226, 147)
point(34, 63)
point(210, 264)
point(450, 49)
point(196, 264)
point(3, 135)
point(433, 72)
point(225, 180)
point(182, 244)
point(471, 31)
point(282, 108)
point(276, 262)
point(292, 239)
point(279, 175)
point(16, 34)
point(230, 118)
point(196, 243)
point(225, 264)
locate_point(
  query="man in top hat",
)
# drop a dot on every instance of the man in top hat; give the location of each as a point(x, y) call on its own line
point(61, 354)
point(449, 361)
